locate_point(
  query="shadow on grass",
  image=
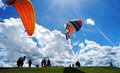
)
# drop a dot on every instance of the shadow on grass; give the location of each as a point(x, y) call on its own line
point(72, 70)
point(3, 68)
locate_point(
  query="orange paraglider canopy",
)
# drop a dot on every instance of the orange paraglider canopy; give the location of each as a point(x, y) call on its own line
point(26, 13)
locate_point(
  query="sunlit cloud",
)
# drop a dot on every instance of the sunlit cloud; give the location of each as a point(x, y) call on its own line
point(53, 45)
point(90, 21)
point(13, 38)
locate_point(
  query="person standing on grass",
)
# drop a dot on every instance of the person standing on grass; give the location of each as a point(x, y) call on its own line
point(20, 61)
point(29, 62)
point(77, 64)
point(48, 63)
point(44, 63)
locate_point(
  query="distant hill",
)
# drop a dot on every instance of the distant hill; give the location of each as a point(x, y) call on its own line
point(62, 70)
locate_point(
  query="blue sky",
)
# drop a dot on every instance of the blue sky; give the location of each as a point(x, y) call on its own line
point(52, 14)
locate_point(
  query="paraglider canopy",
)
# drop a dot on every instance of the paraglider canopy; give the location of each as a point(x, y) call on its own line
point(26, 13)
point(10, 2)
point(70, 25)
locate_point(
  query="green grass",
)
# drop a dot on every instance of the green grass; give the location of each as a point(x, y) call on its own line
point(61, 70)
point(100, 70)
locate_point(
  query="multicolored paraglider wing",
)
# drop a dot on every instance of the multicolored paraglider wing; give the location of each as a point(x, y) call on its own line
point(77, 24)
point(26, 13)
point(10, 2)
point(70, 25)
point(69, 29)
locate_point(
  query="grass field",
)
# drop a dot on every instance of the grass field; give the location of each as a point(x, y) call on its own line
point(62, 70)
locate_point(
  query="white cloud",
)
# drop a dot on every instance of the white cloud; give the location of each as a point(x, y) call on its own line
point(92, 53)
point(90, 21)
point(2, 5)
point(14, 42)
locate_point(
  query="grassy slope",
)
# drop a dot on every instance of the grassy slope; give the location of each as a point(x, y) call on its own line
point(62, 70)
point(100, 70)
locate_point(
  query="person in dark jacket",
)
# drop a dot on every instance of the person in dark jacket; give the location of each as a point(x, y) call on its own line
point(77, 64)
point(20, 61)
point(29, 62)
point(48, 63)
